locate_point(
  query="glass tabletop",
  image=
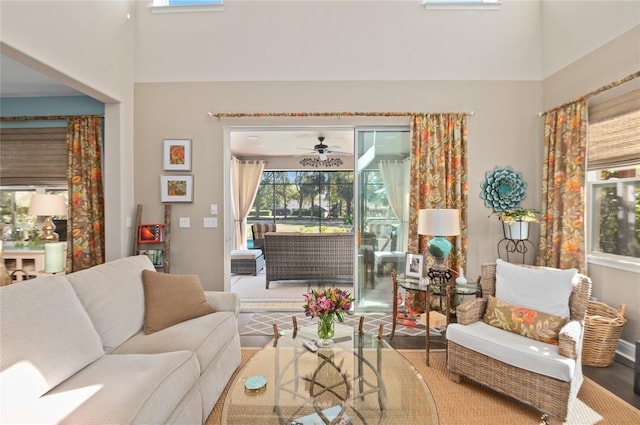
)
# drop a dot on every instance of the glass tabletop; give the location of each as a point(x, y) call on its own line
point(360, 380)
point(424, 284)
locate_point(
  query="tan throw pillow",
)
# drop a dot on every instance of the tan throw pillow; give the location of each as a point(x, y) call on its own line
point(524, 321)
point(171, 299)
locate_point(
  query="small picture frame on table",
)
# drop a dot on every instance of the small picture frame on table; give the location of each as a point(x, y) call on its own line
point(177, 155)
point(414, 265)
point(176, 188)
point(150, 233)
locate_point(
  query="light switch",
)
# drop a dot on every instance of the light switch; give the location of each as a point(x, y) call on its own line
point(214, 209)
point(185, 222)
point(129, 224)
point(209, 222)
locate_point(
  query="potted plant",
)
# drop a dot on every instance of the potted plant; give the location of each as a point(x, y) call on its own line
point(516, 222)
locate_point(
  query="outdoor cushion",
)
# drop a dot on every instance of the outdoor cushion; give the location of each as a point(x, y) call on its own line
point(541, 289)
point(245, 254)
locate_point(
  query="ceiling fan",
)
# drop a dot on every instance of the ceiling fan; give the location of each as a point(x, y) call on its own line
point(322, 150)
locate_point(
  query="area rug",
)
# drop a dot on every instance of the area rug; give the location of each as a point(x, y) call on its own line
point(470, 404)
point(262, 323)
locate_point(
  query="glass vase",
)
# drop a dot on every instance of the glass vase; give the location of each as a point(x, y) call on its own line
point(325, 331)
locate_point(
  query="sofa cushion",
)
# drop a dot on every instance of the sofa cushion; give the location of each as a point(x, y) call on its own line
point(516, 350)
point(116, 389)
point(113, 296)
point(539, 288)
point(206, 336)
point(46, 336)
point(524, 321)
point(171, 299)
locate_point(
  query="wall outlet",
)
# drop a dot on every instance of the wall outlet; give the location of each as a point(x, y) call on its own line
point(214, 209)
point(209, 222)
point(185, 222)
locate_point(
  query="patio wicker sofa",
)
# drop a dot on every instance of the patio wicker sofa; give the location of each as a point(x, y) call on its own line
point(309, 256)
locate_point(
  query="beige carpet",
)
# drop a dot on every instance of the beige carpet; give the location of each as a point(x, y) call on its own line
point(469, 404)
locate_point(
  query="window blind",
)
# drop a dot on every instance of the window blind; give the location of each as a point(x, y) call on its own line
point(33, 156)
point(614, 132)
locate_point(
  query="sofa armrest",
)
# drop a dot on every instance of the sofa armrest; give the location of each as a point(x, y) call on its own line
point(224, 301)
point(569, 339)
point(471, 311)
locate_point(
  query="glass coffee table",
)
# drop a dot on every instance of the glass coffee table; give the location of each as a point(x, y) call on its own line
point(360, 380)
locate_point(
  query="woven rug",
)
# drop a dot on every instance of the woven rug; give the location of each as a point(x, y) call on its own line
point(470, 404)
point(262, 323)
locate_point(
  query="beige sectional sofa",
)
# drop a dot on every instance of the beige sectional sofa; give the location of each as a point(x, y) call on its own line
point(73, 350)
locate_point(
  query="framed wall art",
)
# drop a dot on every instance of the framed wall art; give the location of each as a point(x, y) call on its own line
point(177, 155)
point(414, 265)
point(176, 188)
point(150, 233)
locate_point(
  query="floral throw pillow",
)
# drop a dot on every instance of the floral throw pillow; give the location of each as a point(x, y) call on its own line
point(524, 321)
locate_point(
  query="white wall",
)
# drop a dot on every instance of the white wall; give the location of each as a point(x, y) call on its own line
point(573, 29)
point(89, 46)
point(339, 41)
point(506, 130)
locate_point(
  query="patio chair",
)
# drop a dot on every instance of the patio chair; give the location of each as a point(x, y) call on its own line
point(258, 230)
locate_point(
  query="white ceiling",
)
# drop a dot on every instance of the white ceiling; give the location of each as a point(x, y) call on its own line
point(17, 80)
point(278, 141)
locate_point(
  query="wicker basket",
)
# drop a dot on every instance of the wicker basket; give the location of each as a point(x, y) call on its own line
point(603, 326)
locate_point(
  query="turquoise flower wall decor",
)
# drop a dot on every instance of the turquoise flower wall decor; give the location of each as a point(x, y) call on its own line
point(503, 189)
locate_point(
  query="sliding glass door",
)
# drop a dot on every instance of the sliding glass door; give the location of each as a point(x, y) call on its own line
point(382, 202)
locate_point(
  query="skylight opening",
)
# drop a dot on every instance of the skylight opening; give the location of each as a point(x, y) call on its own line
point(172, 6)
point(462, 4)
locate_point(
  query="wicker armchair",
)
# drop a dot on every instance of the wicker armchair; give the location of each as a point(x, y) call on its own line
point(551, 396)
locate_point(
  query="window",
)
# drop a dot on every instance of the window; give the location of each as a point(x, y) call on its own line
point(160, 6)
point(17, 225)
point(461, 4)
point(304, 201)
point(32, 160)
point(613, 179)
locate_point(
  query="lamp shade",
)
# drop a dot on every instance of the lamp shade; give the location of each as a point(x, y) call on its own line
point(47, 205)
point(439, 222)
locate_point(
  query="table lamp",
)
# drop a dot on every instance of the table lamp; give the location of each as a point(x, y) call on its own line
point(48, 206)
point(439, 223)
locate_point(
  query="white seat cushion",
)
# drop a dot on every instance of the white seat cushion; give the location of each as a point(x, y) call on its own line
point(513, 349)
point(206, 336)
point(46, 337)
point(245, 254)
point(116, 389)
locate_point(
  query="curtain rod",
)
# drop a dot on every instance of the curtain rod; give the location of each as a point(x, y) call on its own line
point(595, 92)
point(46, 118)
point(320, 114)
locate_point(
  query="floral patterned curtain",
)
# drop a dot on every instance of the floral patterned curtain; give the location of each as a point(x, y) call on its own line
point(563, 175)
point(439, 176)
point(85, 219)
